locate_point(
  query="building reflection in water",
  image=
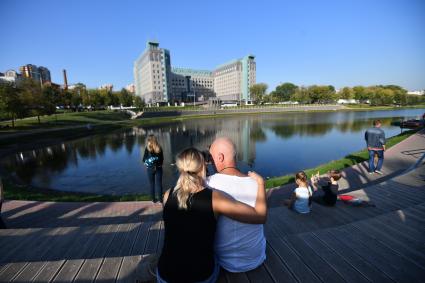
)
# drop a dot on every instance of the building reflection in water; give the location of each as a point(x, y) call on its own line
point(112, 164)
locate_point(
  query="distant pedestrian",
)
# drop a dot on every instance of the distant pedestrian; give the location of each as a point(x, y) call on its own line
point(153, 158)
point(375, 140)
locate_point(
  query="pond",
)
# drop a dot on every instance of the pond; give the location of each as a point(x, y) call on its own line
point(271, 144)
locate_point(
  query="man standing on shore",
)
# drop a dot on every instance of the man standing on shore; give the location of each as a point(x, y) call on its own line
point(375, 139)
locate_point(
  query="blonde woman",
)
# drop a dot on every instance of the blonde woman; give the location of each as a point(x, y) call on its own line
point(190, 219)
point(153, 159)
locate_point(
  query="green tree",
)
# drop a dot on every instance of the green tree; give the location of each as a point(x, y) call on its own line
point(321, 93)
point(32, 97)
point(301, 95)
point(10, 102)
point(285, 91)
point(258, 91)
point(346, 93)
point(139, 102)
point(125, 98)
point(50, 99)
point(360, 93)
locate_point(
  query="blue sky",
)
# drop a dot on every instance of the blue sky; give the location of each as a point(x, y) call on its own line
point(343, 43)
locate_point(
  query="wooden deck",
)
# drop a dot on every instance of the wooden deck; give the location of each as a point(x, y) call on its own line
point(107, 242)
point(104, 242)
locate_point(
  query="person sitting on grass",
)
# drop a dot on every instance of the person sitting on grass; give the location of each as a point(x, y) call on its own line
point(326, 188)
point(300, 200)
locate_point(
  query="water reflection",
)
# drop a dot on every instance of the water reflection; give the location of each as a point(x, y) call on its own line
point(272, 144)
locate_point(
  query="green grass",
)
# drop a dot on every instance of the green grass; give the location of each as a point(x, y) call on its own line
point(66, 119)
point(392, 107)
point(12, 191)
point(347, 161)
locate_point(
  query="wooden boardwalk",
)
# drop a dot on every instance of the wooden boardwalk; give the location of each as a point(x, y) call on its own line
point(107, 242)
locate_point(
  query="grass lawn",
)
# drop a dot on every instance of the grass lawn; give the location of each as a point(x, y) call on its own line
point(66, 119)
point(369, 107)
point(12, 191)
point(347, 161)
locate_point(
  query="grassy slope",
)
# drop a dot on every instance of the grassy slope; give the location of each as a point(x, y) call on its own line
point(66, 119)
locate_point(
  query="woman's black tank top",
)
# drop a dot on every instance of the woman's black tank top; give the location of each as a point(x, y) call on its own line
point(188, 251)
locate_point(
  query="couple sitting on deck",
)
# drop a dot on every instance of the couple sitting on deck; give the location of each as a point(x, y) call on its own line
point(202, 218)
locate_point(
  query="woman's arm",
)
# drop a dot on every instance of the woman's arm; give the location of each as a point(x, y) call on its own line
point(239, 211)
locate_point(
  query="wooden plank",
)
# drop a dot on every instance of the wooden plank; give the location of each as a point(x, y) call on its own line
point(260, 274)
point(38, 256)
point(132, 268)
point(392, 196)
point(359, 263)
point(284, 222)
point(418, 212)
point(402, 232)
point(328, 215)
point(125, 270)
point(75, 259)
point(153, 237)
point(161, 238)
point(294, 263)
point(384, 259)
point(411, 194)
point(380, 200)
point(16, 261)
point(277, 268)
point(337, 262)
point(237, 277)
point(320, 268)
point(397, 197)
point(14, 239)
point(109, 269)
point(386, 238)
point(91, 265)
point(59, 253)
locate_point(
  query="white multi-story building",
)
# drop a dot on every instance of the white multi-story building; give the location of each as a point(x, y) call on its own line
point(416, 92)
point(155, 80)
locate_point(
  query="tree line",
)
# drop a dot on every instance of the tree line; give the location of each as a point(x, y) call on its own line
point(374, 95)
point(29, 98)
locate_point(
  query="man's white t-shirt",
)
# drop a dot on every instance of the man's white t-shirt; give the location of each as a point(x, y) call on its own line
point(239, 247)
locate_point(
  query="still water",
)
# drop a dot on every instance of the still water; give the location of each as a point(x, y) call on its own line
point(271, 144)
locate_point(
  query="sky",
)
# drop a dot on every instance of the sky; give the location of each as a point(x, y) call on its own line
point(340, 42)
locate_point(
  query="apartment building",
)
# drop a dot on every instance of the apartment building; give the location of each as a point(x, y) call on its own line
point(156, 81)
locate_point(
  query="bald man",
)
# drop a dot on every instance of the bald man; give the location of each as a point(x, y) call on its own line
point(239, 247)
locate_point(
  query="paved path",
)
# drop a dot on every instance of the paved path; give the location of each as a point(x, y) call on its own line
point(107, 242)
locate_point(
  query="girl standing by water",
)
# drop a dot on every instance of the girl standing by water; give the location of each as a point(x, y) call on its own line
point(153, 159)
